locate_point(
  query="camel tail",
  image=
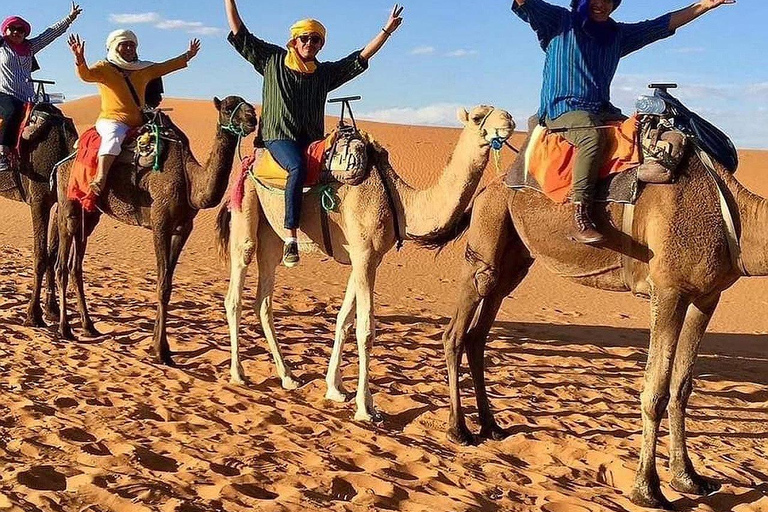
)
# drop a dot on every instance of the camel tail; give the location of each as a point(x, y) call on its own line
point(222, 232)
point(438, 240)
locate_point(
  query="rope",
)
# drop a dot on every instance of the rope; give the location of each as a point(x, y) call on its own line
point(158, 145)
point(328, 199)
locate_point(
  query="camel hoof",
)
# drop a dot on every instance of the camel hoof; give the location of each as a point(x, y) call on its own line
point(52, 312)
point(650, 498)
point(694, 484)
point(290, 383)
point(237, 380)
point(336, 395)
point(494, 432)
point(461, 436)
point(166, 360)
point(65, 333)
point(91, 331)
point(35, 320)
point(369, 417)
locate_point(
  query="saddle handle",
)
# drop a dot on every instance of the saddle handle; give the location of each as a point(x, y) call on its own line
point(663, 86)
point(345, 106)
point(43, 82)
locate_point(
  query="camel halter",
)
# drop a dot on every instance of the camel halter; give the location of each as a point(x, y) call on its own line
point(497, 142)
point(236, 130)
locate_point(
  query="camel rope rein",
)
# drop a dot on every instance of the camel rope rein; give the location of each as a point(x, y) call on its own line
point(235, 129)
point(497, 142)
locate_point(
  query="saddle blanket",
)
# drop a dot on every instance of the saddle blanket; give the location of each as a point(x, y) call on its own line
point(267, 169)
point(84, 170)
point(549, 158)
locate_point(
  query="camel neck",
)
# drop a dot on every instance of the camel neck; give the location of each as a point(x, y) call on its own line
point(432, 211)
point(209, 183)
point(753, 218)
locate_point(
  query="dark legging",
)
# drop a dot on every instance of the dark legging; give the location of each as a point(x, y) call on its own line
point(11, 111)
point(290, 155)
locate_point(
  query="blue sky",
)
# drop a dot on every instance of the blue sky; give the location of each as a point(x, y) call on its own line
point(447, 54)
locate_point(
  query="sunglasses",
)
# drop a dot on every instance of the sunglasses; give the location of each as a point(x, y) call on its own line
point(17, 28)
point(311, 39)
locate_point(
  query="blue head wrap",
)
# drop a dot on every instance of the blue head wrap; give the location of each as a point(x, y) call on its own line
point(602, 32)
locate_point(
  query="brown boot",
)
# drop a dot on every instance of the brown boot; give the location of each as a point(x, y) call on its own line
point(584, 230)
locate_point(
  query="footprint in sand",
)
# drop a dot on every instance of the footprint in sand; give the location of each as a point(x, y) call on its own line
point(76, 435)
point(43, 478)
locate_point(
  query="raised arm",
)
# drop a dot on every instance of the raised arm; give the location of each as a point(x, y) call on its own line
point(52, 33)
point(545, 19)
point(377, 42)
point(175, 64)
point(85, 73)
point(690, 13)
point(233, 17)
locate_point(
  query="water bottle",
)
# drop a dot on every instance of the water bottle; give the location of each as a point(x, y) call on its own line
point(55, 98)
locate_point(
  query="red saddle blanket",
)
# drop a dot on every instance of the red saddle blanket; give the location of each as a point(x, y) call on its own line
point(84, 170)
point(549, 158)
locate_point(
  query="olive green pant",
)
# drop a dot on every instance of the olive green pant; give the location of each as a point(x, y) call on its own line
point(590, 146)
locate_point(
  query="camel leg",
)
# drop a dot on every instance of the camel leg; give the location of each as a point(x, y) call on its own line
point(40, 219)
point(269, 253)
point(344, 324)
point(68, 229)
point(162, 234)
point(513, 272)
point(81, 243)
point(684, 476)
point(178, 240)
point(492, 245)
point(364, 272)
point(51, 306)
point(668, 307)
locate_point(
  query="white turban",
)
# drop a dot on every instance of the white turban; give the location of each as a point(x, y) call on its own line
point(123, 36)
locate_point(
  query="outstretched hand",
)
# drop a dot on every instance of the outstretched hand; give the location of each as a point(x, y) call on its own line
point(711, 4)
point(395, 19)
point(75, 11)
point(78, 48)
point(194, 47)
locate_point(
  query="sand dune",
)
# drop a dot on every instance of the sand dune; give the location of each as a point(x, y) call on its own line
point(96, 426)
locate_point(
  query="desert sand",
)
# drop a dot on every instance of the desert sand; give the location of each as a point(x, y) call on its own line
point(95, 425)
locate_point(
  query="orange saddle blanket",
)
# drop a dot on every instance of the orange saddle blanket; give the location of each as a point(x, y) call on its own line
point(84, 170)
point(549, 158)
point(272, 173)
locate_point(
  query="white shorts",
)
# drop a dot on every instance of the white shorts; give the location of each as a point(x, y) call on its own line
point(112, 134)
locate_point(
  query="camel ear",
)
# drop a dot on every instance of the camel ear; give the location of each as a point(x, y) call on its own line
point(463, 116)
point(217, 103)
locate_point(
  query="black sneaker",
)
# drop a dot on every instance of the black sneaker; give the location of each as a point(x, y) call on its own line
point(5, 163)
point(291, 254)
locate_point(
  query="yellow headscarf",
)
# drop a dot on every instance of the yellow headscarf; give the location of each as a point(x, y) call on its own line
point(292, 59)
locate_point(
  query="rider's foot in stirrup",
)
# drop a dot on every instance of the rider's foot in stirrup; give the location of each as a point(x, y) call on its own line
point(5, 162)
point(291, 254)
point(96, 187)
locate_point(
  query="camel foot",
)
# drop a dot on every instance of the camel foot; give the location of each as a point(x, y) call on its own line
point(65, 333)
point(336, 394)
point(694, 484)
point(166, 359)
point(52, 311)
point(290, 383)
point(373, 416)
point(35, 320)
point(650, 497)
point(494, 432)
point(461, 435)
point(91, 331)
point(238, 380)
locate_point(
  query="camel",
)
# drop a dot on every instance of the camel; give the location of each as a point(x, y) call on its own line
point(165, 202)
point(48, 139)
point(678, 256)
point(362, 231)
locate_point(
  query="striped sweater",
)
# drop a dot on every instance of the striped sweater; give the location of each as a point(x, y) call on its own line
point(293, 104)
point(578, 70)
point(15, 70)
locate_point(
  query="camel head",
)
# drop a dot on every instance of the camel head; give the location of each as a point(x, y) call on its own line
point(489, 125)
point(236, 115)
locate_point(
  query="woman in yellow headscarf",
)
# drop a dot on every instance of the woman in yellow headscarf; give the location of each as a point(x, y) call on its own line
point(296, 86)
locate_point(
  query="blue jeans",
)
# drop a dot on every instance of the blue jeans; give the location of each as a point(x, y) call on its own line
point(11, 111)
point(290, 155)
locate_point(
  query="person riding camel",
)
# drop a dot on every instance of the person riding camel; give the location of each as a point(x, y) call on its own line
point(295, 89)
point(583, 47)
point(17, 62)
point(122, 80)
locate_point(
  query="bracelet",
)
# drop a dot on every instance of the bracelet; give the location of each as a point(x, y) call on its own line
point(386, 32)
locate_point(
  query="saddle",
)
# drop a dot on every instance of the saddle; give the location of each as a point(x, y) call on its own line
point(646, 148)
point(340, 157)
point(144, 149)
